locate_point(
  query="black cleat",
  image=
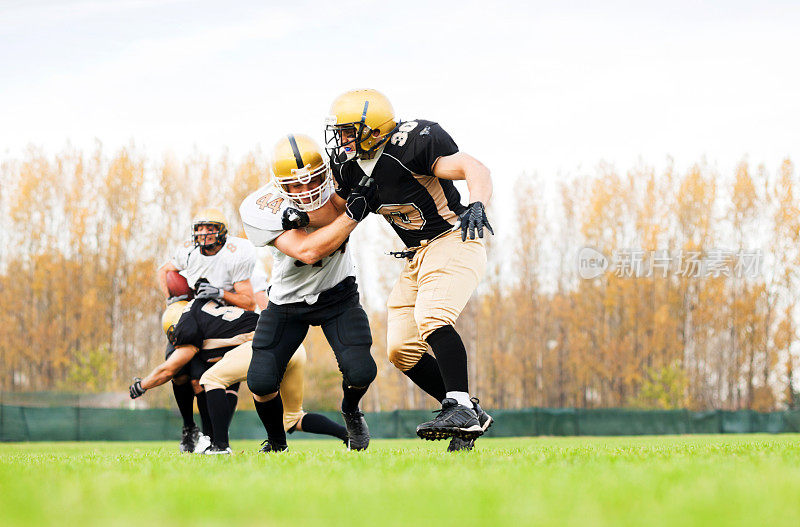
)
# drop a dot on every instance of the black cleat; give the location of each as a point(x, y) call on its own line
point(189, 437)
point(454, 420)
point(357, 430)
point(268, 446)
point(484, 419)
point(457, 444)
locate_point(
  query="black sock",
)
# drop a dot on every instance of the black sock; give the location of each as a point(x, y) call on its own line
point(218, 412)
point(184, 397)
point(451, 355)
point(205, 420)
point(319, 424)
point(426, 375)
point(232, 395)
point(271, 415)
point(351, 397)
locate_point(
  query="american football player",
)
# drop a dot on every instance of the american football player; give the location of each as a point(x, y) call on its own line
point(313, 280)
point(216, 266)
point(413, 165)
point(232, 369)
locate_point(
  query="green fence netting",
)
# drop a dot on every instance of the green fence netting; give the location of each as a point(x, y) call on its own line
point(71, 423)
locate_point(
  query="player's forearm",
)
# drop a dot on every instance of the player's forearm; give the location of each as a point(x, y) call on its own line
point(479, 183)
point(159, 376)
point(161, 275)
point(242, 300)
point(323, 242)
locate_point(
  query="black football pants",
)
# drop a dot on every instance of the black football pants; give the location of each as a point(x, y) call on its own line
point(282, 328)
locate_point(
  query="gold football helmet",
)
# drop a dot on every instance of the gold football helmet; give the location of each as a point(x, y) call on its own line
point(360, 121)
point(171, 317)
point(301, 172)
point(214, 218)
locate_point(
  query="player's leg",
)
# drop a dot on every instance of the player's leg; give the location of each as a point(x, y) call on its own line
point(406, 349)
point(449, 271)
point(197, 367)
point(184, 399)
point(276, 338)
point(232, 395)
point(294, 418)
point(350, 337)
point(216, 381)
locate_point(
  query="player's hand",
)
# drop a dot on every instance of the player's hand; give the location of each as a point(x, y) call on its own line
point(173, 299)
point(294, 219)
point(357, 207)
point(208, 291)
point(473, 218)
point(136, 388)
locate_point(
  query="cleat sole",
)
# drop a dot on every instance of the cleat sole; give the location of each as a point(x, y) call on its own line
point(435, 434)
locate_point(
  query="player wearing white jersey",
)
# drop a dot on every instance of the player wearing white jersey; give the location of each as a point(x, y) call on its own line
point(313, 283)
point(216, 266)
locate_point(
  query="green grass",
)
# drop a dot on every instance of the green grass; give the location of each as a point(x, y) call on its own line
point(664, 480)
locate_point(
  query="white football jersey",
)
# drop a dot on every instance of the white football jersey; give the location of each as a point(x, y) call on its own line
point(259, 280)
point(233, 263)
point(292, 280)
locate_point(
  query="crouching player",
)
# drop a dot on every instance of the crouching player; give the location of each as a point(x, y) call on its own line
point(313, 283)
point(201, 333)
point(204, 333)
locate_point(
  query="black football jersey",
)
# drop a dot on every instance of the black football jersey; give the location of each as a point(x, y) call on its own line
point(213, 328)
point(419, 205)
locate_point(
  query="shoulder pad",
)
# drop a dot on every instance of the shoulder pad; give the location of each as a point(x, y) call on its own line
point(241, 248)
point(264, 208)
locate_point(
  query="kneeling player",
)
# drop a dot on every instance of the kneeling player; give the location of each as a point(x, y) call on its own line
point(313, 283)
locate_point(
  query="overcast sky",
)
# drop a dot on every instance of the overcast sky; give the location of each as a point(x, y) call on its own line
point(551, 87)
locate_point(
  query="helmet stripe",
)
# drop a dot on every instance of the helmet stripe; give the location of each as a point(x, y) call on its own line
point(364, 113)
point(297, 157)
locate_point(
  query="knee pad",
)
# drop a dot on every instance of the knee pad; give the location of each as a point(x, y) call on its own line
point(263, 377)
point(358, 367)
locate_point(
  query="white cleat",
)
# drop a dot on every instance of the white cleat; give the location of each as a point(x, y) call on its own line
point(214, 450)
point(202, 444)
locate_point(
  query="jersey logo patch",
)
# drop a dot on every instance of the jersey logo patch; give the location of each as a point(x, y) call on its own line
point(407, 216)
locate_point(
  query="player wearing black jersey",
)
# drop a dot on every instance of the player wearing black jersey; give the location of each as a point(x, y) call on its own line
point(413, 165)
point(203, 334)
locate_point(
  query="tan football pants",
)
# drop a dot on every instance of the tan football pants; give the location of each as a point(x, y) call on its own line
point(232, 368)
point(431, 292)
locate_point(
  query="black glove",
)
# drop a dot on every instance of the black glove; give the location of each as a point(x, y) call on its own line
point(294, 219)
point(472, 218)
point(173, 299)
point(357, 207)
point(136, 388)
point(206, 290)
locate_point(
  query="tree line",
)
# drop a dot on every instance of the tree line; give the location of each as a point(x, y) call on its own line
point(639, 288)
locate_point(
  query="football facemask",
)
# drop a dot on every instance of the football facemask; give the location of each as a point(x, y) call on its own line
point(301, 173)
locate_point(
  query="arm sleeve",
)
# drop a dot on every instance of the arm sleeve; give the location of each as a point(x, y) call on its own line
point(431, 143)
point(179, 258)
point(243, 269)
point(261, 226)
point(260, 237)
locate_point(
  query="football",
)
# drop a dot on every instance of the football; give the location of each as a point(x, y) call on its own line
point(177, 284)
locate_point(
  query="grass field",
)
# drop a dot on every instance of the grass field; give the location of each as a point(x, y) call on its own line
point(665, 480)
